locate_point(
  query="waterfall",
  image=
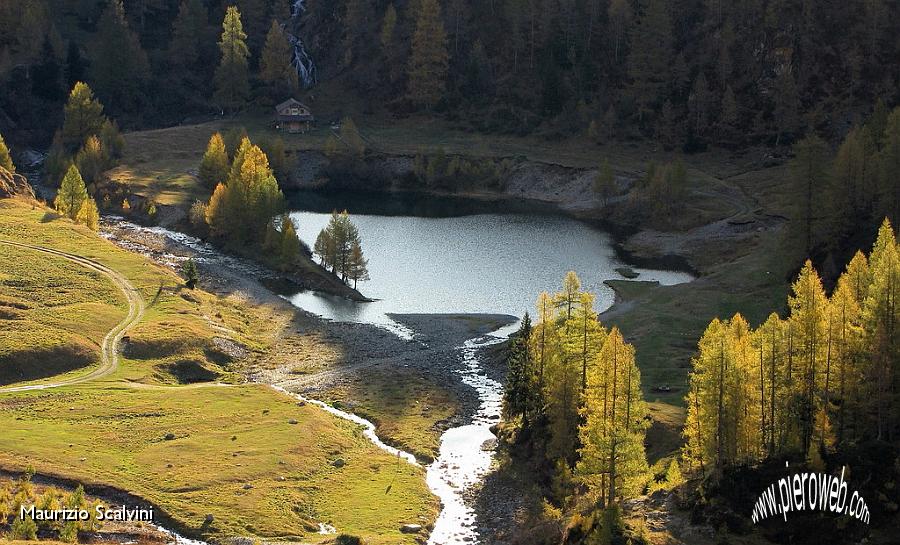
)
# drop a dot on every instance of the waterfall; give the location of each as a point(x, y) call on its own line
point(301, 60)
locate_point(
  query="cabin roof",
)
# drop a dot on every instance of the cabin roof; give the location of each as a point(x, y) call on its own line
point(290, 102)
point(283, 111)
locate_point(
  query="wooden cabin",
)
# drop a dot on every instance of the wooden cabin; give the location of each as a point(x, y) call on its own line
point(293, 116)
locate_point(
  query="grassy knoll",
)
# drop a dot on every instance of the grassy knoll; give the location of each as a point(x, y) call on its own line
point(180, 325)
point(162, 164)
point(53, 315)
point(113, 432)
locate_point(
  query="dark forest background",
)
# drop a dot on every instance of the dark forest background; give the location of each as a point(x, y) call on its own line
point(682, 72)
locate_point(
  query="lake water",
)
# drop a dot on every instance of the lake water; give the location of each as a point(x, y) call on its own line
point(444, 255)
point(441, 255)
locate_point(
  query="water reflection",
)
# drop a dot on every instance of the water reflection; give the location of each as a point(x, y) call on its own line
point(479, 263)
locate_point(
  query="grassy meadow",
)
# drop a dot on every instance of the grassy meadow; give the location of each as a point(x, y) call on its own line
point(255, 459)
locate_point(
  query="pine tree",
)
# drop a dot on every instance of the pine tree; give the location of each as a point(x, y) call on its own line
point(275, 67)
point(216, 211)
point(858, 277)
point(429, 61)
point(357, 15)
point(83, 117)
point(324, 247)
point(845, 334)
point(289, 248)
point(620, 17)
point(391, 48)
point(111, 139)
point(47, 81)
point(388, 28)
point(189, 34)
point(881, 315)
point(809, 176)
point(809, 318)
point(88, 214)
point(351, 138)
point(566, 300)
point(888, 191)
point(75, 65)
point(72, 194)
point(704, 427)
point(190, 273)
point(605, 183)
point(232, 85)
point(214, 165)
point(255, 14)
point(5, 159)
point(787, 106)
point(92, 160)
point(612, 435)
point(699, 105)
point(650, 61)
point(519, 381)
point(119, 66)
point(849, 194)
point(729, 121)
point(359, 265)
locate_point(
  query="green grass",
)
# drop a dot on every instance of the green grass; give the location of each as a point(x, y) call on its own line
point(666, 322)
point(225, 439)
point(405, 405)
point(179, 324)
point(162, 164)
point(111, 432)
point(53, 315)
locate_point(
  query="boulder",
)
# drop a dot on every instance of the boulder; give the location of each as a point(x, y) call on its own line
point(12, 185)
point(411, 528)
point(339, 463)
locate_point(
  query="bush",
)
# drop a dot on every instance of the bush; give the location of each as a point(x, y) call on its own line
point(197, 216)
point(191, 274)
point(24, 529)
point(346, 539)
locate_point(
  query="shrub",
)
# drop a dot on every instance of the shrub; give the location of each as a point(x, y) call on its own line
point(24, 529)
point(346, 539)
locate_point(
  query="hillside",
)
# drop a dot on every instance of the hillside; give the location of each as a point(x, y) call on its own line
point(237, 452)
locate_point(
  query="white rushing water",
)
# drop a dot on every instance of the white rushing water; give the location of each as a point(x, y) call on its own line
point(466, 453)
point(368, 427)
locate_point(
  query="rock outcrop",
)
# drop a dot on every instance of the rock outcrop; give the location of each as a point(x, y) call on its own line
point(12, 185)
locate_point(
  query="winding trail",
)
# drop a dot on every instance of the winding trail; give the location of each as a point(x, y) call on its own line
point(109, 347)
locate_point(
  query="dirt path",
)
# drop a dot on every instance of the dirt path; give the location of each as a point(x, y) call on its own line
point(109, 348)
